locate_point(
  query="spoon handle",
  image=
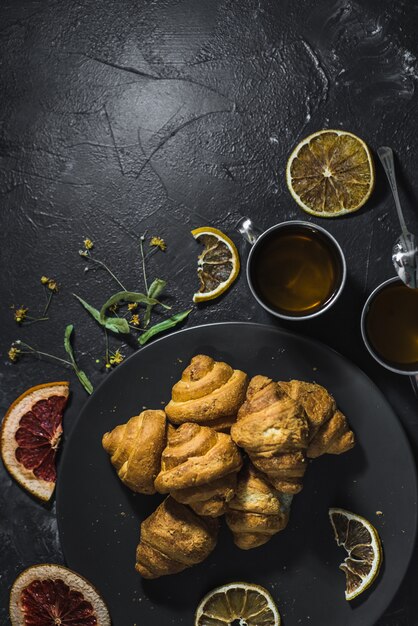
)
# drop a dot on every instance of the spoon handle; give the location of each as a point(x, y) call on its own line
point(386, 156)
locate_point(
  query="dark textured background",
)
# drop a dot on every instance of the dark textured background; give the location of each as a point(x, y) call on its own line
point(126, 116)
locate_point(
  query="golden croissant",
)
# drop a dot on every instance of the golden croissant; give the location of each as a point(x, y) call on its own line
point(334, 437)
point(329, 431)
point(209, 393)
point(199, 467)
point(172, 539)
point(256, 513)
point(135, 449)
point(273, 429)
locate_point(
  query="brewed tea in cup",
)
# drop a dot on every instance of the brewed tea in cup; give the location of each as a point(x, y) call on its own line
point(295, 270)
point(389, 326)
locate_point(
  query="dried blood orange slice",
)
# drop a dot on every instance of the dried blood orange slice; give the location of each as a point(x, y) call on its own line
point(30, 435)
point(47, 595)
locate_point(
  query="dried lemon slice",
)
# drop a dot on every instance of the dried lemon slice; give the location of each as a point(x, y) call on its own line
point(330, 173)
point(245, 603)
point(362, 543)
point(217, 266)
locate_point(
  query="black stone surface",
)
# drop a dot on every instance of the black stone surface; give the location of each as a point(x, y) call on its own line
point(121, 116)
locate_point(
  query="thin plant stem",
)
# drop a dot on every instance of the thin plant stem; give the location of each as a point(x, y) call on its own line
point(33, 320)
point(106, 346)
point(51, 293)
point(51, 356)
point(107, 270)
point(141, 245)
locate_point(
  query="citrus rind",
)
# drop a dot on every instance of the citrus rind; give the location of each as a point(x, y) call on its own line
point(342, 210)
point(235, 612)
point(375, 546)
point(224, 285)
point(55, 572)
point(38, 487)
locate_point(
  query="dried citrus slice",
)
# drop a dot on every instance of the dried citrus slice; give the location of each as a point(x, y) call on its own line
point(47, 595)
point(330, 173)
point(362, 543)
point(30, 435)
point(217, 266)
point(242, 603)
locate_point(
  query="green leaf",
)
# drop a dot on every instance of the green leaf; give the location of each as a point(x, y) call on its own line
point(165, 325)
point(93, 312)
point(125, 296)
point(115, 324)
point(67, 342)
point(156, 287)
point(82, 377)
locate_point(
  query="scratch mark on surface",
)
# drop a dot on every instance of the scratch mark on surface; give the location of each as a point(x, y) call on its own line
point(318, 65)
point(174, 132)
point(123, 68)
point(148, 76)
point(114, 140)
point(55, 216)
point(152, 167)
point(369, 250)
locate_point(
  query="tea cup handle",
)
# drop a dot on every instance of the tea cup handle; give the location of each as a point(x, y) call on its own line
point(414, 383)
point(248, 230)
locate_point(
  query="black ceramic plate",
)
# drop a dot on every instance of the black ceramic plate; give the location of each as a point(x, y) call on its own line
point(99, 518)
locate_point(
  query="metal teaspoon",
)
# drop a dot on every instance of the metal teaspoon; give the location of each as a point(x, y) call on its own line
point(405, 250)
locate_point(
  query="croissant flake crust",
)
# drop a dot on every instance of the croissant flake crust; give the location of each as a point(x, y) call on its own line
point(174, 538)
point(198, 467)
point(256, 513)
point(208, 392)
point(135, 449)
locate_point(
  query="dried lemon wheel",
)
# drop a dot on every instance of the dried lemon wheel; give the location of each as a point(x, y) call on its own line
point(217, 266)
point(244, 603)
point(330, 173)
point(361, 541)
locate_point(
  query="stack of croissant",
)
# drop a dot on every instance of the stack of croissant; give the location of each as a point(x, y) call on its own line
point(223, 446)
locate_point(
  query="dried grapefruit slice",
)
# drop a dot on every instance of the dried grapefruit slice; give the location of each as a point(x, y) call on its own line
point(47, 595)
point(242, 603)
point(30, 435)
point(330, 173)
point(362, 543)
point(217, 266)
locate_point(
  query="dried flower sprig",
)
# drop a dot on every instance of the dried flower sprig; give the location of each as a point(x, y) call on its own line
point(87, 255)
point(158, 242)
point(120, 322)
point(115, 358)
point(19, 348)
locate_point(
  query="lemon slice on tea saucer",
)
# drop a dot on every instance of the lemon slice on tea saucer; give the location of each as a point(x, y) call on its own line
point(362, 543)
point(242, 603)
point(218, 265)
point(330, 173)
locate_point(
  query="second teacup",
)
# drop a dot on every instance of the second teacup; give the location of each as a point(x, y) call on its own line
point(296, 270)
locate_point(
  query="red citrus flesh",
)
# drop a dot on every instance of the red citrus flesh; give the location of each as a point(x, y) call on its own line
point(38, 437)
point(51, 602)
